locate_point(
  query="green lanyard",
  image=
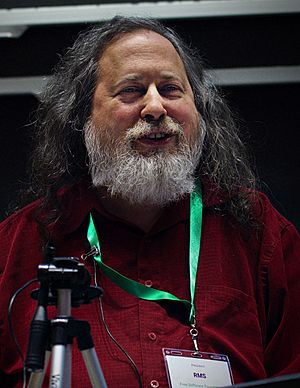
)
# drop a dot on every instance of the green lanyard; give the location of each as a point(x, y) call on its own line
point(140, 290)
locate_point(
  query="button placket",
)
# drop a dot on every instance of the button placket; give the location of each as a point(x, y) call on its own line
point(148, 274)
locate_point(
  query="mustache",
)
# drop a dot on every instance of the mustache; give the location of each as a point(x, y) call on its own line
point(143, 128)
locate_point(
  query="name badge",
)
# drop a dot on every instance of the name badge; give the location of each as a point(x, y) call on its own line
point(188, 368)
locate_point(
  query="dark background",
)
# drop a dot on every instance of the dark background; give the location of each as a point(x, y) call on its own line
point(269, 113)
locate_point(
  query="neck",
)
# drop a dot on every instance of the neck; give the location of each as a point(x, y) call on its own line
point(142, 215)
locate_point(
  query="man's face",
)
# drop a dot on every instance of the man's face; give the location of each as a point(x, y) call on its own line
point(143, 138)
point(143, 78)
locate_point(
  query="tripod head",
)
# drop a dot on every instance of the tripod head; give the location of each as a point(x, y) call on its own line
point(67, 273)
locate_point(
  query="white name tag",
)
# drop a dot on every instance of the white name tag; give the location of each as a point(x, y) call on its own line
point(187, 368)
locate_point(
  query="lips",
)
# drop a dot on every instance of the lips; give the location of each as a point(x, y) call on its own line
point(156, 136)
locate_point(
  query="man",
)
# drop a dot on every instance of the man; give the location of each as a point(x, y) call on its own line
point(132, 135)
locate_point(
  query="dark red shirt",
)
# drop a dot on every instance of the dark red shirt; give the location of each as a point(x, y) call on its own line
point(247, 291)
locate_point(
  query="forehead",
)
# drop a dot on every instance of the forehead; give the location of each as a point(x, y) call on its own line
point(144, 46)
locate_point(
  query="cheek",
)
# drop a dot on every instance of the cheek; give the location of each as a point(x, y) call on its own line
point(117, 118)
point(191, 129)
point(125, 116)
point(188, 116)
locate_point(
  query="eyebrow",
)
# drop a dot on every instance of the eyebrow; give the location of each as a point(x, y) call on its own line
point(168, 76)
point(128, 78)
point(137, 78)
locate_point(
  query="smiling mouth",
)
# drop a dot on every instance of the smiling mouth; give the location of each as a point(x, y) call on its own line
point(156, 142)
point(157, 136)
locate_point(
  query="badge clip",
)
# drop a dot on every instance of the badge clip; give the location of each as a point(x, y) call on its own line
point(93, 252)
point(194, 334)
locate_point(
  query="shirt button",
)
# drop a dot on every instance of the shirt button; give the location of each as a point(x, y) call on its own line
point(152, 336)
point(154, 384)
point(148, 283)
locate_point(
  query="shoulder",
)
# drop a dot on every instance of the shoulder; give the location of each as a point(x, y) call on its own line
point(23, 235)
point(267, 228)
point(268, 216)
point(19, 226)
point(21, 247)
point(22, 217)
point(39, 211)
point(279, 237)
point(256, 206)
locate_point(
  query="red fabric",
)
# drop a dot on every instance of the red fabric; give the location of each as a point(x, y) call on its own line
point(247, 291)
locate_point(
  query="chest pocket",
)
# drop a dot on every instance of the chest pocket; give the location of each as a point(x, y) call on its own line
point(227, 320)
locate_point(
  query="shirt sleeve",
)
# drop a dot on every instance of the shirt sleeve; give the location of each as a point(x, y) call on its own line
point(281, 269)
point(20, 254)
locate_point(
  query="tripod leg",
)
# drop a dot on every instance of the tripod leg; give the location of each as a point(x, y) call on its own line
point(93, 367)
point(37, 378)
point(57, 366)
point(60, 375)
point(87, 349)
point(68, 366)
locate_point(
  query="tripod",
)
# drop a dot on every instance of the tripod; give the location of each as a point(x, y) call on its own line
point(64, 282)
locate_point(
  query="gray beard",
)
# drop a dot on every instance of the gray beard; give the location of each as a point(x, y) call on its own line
point(156, 179)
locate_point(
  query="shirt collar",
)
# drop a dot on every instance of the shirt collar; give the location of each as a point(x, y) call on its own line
point(80, 199)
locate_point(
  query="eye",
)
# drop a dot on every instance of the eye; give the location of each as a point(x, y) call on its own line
point(171, 90)
point(130, 89)
point(131, 93)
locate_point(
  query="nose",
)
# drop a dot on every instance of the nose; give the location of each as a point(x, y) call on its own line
point(153, 105)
